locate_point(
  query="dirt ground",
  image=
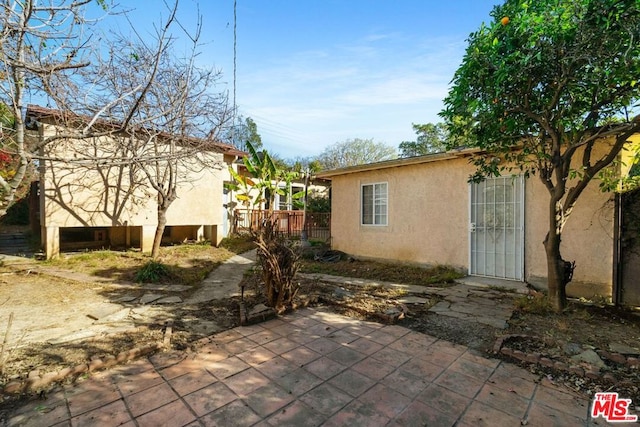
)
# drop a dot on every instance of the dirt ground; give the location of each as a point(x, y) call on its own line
point(40, 301)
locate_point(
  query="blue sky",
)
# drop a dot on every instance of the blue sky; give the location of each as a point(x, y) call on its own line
point(315, 72)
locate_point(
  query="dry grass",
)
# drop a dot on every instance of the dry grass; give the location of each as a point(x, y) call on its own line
point(188, 264)
point(397, 273)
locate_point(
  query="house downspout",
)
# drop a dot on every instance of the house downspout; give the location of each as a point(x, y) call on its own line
point(617, 249)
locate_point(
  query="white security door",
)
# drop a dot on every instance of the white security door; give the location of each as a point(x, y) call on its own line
point(497, 228)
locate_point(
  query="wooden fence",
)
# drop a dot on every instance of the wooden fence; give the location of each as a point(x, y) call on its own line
point(289, 223)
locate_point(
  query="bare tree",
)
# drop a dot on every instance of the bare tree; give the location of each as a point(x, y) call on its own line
point(42, 44)
point(168, 116)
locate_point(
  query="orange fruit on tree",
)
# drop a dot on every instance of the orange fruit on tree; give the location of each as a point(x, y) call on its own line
point(504, 20)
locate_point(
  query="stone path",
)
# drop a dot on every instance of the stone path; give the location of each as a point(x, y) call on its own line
point(223, 281)
point(313, 368)
point(476, 304)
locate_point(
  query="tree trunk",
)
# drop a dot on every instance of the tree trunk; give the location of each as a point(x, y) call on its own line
point(162, 222)
point(559, 271)
point(556, 278)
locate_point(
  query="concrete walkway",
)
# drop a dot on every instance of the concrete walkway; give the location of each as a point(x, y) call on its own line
point(313, 368)
point(223, 281)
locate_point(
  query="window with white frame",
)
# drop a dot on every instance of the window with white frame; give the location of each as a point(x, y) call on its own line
point(374, 204)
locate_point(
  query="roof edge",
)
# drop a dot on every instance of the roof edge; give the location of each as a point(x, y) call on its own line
point(405, 161)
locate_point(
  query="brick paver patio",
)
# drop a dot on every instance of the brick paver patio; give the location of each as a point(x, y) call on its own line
point(313, 368)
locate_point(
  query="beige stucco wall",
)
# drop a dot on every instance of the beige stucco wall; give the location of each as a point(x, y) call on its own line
point(77, 195)
point(428, 222)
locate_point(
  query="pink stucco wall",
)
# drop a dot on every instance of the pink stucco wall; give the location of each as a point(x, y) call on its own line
point(428, 221)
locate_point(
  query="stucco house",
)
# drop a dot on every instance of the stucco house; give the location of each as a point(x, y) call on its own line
point(84, 205)
point(423, 210)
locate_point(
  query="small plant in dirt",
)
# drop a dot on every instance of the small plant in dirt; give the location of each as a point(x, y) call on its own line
point(280, 263)
point(152, 272)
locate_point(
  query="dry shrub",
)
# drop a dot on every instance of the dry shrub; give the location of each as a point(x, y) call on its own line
point(280, 263)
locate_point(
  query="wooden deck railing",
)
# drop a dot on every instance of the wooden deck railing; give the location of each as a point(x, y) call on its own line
point(289, 223)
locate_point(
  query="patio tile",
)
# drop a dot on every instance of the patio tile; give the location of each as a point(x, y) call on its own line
point(384, 400)
point(135, 383)
point(301, 356)
point(112, 414)
point(447, 347)
point(256, 356)
point(419, 414)
point(365, 346)
point(444, 400)
point(265, 336)
point(210, 398)
point(477, 357)
point(93, 383)
point(411, 345)
point(391, 356)
point(541, 415)
point(440, 358)
point(405, 383)
point(227, 367)
point(323, 345)
point(304, 322)
point(510, 382)
point(281, 345)
point(503, 400)
point(298, 382)
point(395, 330)
point(268, 399)
point(357, 414)
point(321, 330)
point(150, 399)
point(561, 401)
point(360, 330)
point(342, 337)
point(192, 381)
point(175, 413)
point(211, 354)
point(346, 356)
point(352, 382)
point(236, 413)
point(239, 345)
point(180, 368)
point(227, 336)
point(133, 368)
point(382, 337)
point(300, 337)
point(39, 413)
point(471, 369)
point(325, 368)
point(273, 323)
point(459, 383)
point(326, 399)
point(245, 382)
point(373, 368)
point(276, 367)
point(297, 415)
point(83, 402)
point(422, 368)
point(481, 415)
point(250, 329)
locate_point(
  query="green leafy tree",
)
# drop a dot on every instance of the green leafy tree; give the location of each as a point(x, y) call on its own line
point(552, 78)
point(431, 138)
point(244, 131)
point(353, 152)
